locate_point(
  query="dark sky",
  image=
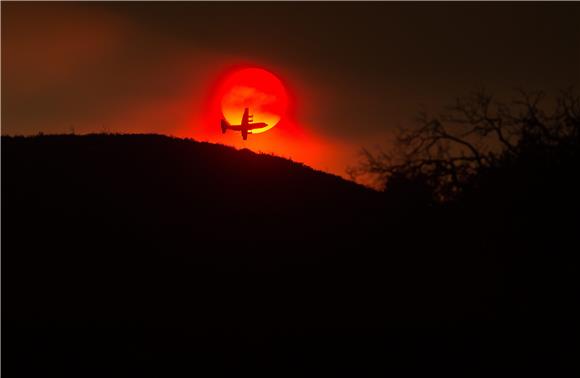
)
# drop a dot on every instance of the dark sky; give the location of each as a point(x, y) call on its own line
point(357, 70)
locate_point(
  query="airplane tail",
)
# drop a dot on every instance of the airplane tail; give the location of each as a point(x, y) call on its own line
point(224, 125)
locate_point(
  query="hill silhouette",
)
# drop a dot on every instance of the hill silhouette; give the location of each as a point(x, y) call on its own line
point(150, 255)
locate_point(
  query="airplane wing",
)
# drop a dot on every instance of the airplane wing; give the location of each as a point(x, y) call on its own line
point(245, 117)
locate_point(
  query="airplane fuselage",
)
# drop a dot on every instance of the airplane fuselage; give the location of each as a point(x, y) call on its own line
point(249, 126)
point(245, 127)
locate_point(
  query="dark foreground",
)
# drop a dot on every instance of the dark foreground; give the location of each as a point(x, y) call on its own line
point(149, 256)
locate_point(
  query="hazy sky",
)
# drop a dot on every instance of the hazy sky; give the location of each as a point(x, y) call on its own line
point(357, 71)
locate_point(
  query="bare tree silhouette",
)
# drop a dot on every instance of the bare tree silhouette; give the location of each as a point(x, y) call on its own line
point(446, 152)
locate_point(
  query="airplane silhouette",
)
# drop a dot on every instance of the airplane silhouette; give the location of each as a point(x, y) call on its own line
point(246, 125)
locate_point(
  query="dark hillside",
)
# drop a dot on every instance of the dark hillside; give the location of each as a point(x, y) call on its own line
point(149, 255)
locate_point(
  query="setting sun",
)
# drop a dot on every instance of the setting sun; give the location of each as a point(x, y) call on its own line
point(258, 90)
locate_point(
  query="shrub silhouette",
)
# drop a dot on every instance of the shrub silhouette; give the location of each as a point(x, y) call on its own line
point(476, 135)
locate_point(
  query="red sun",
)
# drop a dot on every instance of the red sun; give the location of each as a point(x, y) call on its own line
point(257, 89)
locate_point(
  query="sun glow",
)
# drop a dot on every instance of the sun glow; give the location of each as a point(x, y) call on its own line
point(257, 89)
point(271, 98)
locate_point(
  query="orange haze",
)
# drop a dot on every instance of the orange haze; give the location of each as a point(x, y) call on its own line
point(290, 138)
